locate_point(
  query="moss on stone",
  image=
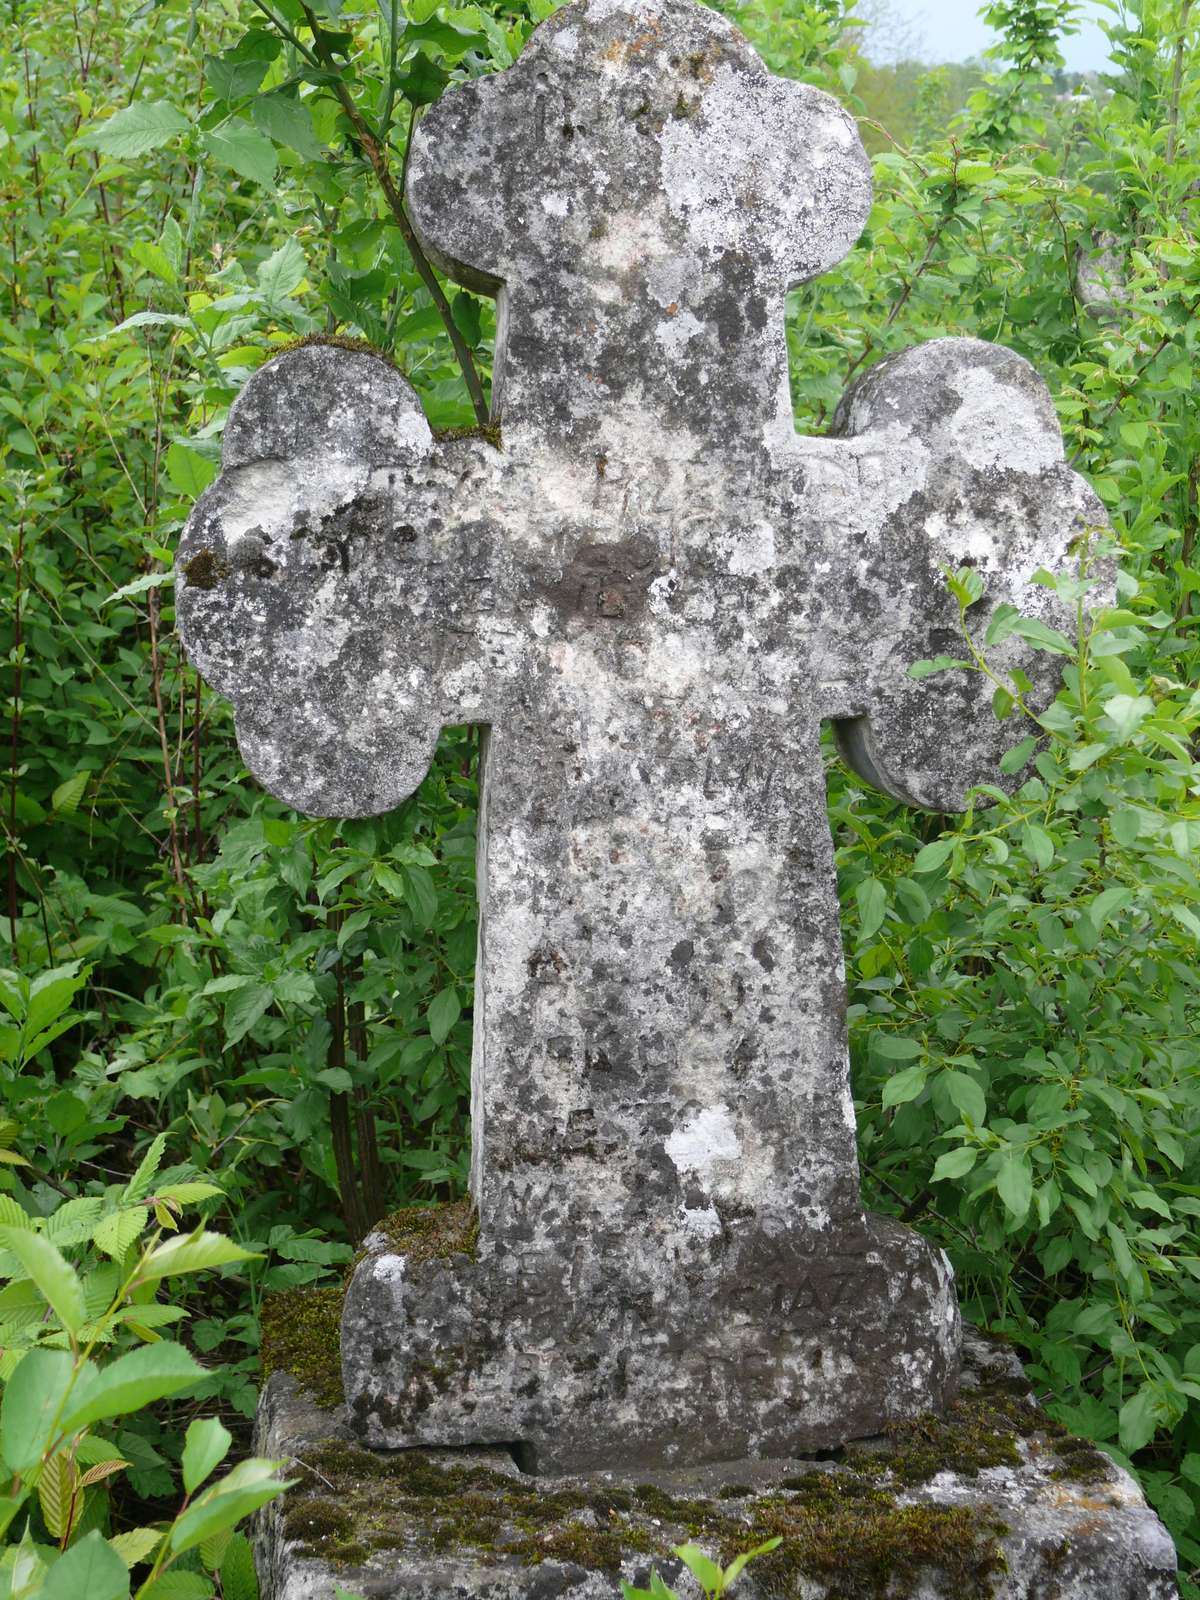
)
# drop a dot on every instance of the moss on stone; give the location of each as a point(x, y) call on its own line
point(301, 1335)
point(843, 1525)
point(427, 1233)
point(206, 569)
point(337, 341)
point(491, 432)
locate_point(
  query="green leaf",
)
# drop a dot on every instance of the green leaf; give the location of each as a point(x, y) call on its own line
point(114, 1234)
point(423, 83)
point(443, 1013)
point(871, 898)
point(188, 472)
point(177, 1584)
point(281, 273)
point(193, 1252)
point(205, 1446)
point(137, 1545)
point(289, 122)
point(53, 1274)
point(149, 1373)
point(933, 855)
point(954, 1163)
point(250, 1485)
point(238, 1578)
point(894, 1046)
point(1139, 1418)
point(32, 1398)
point(248, 1005)
point(136, 130)
point(1037, 845)
point(241, 147)
point(904, 1086)
point(1014, 1183)
point(1013, 760)
point(706, 1571)
point(1126, 713)
point(65, 799)
point(966, 1096)
point(90, 1570)
point(140, 1184)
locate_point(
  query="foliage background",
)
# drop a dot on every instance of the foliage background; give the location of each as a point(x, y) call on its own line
point(184, 188)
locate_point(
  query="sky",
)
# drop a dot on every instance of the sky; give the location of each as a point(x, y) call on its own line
point(952, 32)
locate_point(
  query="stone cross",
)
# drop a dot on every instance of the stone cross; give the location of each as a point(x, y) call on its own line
point(651, 596)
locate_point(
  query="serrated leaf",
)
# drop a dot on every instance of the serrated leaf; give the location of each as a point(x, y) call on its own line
point(239, 1581)
point(177, 1585)
point(149, 1373)
point(74, 1221)
point(137, 1545)
point(54, 1275)
point(102, 1470)
point(281, 274)
point(289, 122)
point(136, 130)
point(193, 1252)
point(54, 1493)
point(239, 146)
point(114, 1234)
point(65, 799)
point(140, 1184)
point(250, 1485)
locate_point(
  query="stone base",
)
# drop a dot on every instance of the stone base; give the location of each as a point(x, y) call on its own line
point(990, 1502)
point(762, 1346)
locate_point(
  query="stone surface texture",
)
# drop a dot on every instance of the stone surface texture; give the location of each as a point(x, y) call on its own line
point(651, 595)
point(993, 1504)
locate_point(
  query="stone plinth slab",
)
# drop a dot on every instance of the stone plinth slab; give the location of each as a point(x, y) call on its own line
point(990, 1502)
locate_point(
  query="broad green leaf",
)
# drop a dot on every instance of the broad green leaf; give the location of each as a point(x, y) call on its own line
point(54, 1493)
point(703, 1568)
point(1037, 845)
point(90, 1570)
point(247, 1006)
point(444, 1011)
point(281, 274)
point(32, 1399)
point(250, 1485)
point(954, 1163)
point(114, 1234)
point(149, 1373)
point(65, 799)
point(289, 122)
point(933, 855)
point(239, 145)
point(1140, 1416)
point(193, 1252)
point(966, 1095)
point(136, 130)
point(205, 1446)
point(904, 1086)
point(1126, 713)
point(138, 1545)
point(871, 897)
point(189, 472)
point(53, 1274)
point(894, 1046)
point(1014, 1183)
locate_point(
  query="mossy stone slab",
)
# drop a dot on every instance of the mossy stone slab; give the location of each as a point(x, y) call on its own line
point(991, 1501)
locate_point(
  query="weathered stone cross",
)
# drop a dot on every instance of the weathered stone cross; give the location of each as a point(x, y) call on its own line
point(651, 597)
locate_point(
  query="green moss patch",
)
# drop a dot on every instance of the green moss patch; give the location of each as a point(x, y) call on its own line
point(337, 341)
point(427, 1233)
point(490, 432)
point(843, 1525)
point(301, 1335)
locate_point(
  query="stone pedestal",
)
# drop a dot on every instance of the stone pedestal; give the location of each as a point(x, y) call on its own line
point(990, 1502)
